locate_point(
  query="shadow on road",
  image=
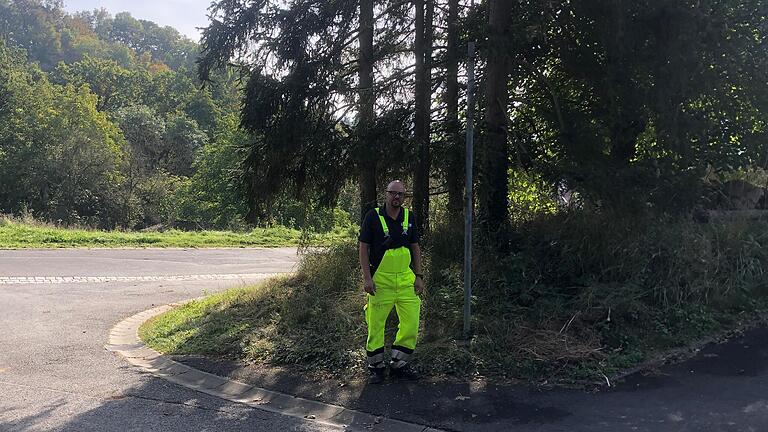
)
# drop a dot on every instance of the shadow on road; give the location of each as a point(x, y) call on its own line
point(29, 422)
point(155, 406)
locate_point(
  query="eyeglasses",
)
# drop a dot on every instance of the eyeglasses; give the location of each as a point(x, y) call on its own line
point(397, 194)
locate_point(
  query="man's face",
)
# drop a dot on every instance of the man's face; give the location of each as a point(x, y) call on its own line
point(395, 194)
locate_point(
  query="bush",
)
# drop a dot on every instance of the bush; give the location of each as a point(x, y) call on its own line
point(158, 199)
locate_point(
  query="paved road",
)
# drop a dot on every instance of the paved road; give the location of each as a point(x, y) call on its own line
point(54, 371)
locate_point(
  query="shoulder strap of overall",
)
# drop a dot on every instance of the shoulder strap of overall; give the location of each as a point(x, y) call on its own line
point(384, 223)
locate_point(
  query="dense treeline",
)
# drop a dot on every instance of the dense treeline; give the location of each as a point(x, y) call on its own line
point(104, 123)
point(50, 35)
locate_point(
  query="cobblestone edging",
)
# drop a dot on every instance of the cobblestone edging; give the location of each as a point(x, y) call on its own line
point(124, 340)
point(15, 280)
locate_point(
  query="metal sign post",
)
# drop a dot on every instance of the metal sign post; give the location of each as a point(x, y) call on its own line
point(468, 205)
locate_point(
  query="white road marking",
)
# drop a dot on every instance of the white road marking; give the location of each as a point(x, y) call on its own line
point(17, 280)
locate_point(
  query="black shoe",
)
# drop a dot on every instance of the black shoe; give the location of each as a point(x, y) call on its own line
point(404, 373)
point(376, 376)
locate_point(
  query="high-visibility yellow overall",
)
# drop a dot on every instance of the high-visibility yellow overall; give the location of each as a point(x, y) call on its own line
point(394, 282)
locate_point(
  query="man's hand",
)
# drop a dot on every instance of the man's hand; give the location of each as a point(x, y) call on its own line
point(418, 285)
point(369, 286)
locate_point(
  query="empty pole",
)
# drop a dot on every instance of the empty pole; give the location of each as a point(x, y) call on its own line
point(468, 194)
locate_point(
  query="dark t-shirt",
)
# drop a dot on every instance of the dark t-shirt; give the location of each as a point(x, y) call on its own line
point(372, 233)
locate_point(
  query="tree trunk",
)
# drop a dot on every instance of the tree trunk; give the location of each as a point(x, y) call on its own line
point(366, 147)
point(454, 149)
point(624, 136)
point(422, 93)
point(494, 159)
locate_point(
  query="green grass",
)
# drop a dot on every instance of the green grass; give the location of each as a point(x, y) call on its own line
point(268, 323)
point(19, 235)
point(211, 325)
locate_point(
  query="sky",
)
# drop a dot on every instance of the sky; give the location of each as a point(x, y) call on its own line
point(183, 15)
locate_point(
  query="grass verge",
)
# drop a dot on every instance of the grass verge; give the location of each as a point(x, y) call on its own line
point(20, 235)
point(312, 320)
point(582, 298)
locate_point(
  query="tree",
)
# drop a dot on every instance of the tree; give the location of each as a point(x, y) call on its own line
point(116, 86)
point(301, 144)
point(169, 91)
point(423, 97)
point(183, 140)
point(214, 194)
point(633, 101)
point(367, 149)
point(493, 160)
point(145, 133)
point(454, 155)
point(33, 25)
point(127, 30)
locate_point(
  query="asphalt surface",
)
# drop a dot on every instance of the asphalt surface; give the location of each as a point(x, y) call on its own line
point(54, 371)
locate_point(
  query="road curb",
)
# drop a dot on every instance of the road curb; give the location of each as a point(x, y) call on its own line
point(124, 341)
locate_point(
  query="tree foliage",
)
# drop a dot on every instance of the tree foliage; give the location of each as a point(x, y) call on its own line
point(632, 101)
point(625, 102)
point(129, 79)
point(59, 156)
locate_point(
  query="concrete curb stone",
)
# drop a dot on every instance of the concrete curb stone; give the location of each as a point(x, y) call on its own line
point(124, 340)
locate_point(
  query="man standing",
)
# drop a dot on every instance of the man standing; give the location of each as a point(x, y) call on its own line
point(390, 258)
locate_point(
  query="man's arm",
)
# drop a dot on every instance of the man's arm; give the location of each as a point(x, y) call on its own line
point(365, 266)
point(416, 257)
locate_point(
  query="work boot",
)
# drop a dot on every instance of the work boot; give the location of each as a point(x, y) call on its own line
point(375, 375)
point(404, 373)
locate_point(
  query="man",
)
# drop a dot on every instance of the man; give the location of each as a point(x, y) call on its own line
point(390, 258)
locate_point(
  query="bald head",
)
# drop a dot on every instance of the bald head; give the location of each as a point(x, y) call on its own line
point(395, 194)
point(396, 185)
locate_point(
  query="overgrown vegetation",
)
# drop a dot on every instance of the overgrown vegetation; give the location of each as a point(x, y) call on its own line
point(586, 295)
